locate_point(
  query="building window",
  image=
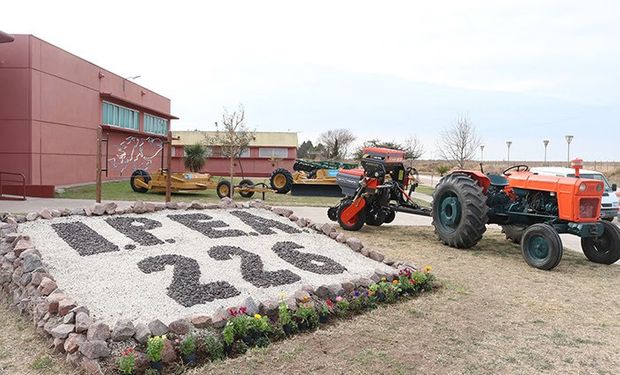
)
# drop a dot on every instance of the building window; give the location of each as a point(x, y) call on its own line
point(273, 152)
point(245, 153)
point(115, 115)
point(155, 125)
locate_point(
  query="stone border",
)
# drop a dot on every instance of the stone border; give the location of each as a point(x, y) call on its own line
point(26, 281)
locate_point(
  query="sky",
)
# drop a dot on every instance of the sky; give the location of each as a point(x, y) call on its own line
point(522, 71)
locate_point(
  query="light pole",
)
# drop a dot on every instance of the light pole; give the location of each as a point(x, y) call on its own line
point(508, 143)
point(481, 153)
point(569, 139)
point(546, 143)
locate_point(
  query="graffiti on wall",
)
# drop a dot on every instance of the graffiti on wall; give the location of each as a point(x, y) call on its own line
point(136, 153)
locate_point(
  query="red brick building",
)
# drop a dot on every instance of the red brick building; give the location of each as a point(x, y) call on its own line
point(268, 151)
point(51, 104)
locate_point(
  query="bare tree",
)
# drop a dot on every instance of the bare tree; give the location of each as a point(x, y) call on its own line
point(336, 143)
point(233, 138)
point(459, 142)
point(413, 147)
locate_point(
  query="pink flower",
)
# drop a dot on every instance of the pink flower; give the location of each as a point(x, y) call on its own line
point(339, 298)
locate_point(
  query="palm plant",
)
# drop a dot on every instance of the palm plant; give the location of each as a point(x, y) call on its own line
point(195, 157)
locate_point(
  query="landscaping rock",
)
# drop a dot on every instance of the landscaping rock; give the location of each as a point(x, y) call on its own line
point(58, 345)
point(94, 349)
point(219, 317)
point(293, 217)
point(47, 286)
point(142, 333)
point(158, 328)
point(65, 305)
point(69, 318)
point(335, 290)
point(302, 296)
point(110, 208)
point(348, 286)
point(250, 305)
point(45, 214)
point(180, 326)
point(55, 213)
point(53, 300)
point(32, 216)
point(82, 322)
point(322, 292)
point(201, 321)
point(363, 282)
point(375, 255)
point(30, 262)
point(62, 331)
point(21, 246)
point(90, 366)
point(355, 244)
point(98, 331)
point(282, 211)
point(74, 359)
point(269, 307)
point(365, 251)
point(341, 238)
point(168, 355)
point(123, 330)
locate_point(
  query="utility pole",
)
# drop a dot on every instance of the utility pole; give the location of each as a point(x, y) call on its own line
point(546, 143)
point(481, 153)
point(569, 139)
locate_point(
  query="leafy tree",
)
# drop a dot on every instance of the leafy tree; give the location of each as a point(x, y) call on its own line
point(234, 137)
point(195, 157)
point(337, 142)
point(459, 142)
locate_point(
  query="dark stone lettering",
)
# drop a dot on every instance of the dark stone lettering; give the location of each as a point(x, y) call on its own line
point(83, 239)
point(186, 288)
point(199, 223)
point(263, 225)
point(136, 229)
point(307, 261)
point(252, 267)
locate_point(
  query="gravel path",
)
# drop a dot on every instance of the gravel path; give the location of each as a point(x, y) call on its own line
point(157, 267)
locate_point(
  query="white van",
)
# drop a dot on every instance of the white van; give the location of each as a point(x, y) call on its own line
point(609, 203)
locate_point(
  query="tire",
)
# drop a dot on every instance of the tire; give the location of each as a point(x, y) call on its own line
point(248, 184)
point(610, 219)
point(281, 181)
point(142, 175)
point(390, 217)
point(357, 222)
point(375, 217)
point(459, 211)
point(541, 246)
point(604, 249)
point(224, 189)
point(513, 232)
point(332, 213)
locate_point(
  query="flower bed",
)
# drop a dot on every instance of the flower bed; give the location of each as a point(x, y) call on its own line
point(208, 276)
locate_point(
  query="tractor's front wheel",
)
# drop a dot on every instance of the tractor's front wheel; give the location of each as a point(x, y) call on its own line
point(513, 232)
point(141, 176)
point(390, 217)
point(224, 189)
point(354, 223)
point(459, 211)
point(247, 183)
point(281, 181)
point(541, 246)
point(604, 249)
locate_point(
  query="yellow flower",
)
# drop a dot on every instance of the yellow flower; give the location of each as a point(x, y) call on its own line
point(383, 279)
point(427, 269)
point(163, 337)
point(394, 282)
point(257, 316)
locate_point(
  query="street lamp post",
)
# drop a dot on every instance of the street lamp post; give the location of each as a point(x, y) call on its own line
point(546, 143)
point(508, 143)
point(569, 139)
point(481, 153)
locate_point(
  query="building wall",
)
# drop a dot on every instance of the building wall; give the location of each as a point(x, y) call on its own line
point(50, 109)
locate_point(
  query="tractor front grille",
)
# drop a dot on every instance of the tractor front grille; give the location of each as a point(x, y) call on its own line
point(588, 208)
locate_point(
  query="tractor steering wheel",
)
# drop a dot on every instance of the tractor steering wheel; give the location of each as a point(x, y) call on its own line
point(518, 168)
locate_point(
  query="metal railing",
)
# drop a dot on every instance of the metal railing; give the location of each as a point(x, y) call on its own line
point(20, 180)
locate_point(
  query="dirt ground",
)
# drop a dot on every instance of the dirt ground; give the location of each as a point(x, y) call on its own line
point(494, 315)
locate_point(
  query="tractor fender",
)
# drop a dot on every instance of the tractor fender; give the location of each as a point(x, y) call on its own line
point(355, 207)
point(479, 177)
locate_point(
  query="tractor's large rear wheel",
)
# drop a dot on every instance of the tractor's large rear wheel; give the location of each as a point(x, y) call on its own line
point(354, 223)
point(459, 211)
point(604, 249)
point(513, 232)
point(281, 181)
point(541, 246)
point(142, 176)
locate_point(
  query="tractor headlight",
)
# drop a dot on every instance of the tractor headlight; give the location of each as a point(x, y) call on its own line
point(582, 187)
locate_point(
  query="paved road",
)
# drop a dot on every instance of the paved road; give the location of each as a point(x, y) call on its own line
point(316, 214)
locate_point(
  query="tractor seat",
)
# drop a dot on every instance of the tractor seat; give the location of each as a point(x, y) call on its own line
point(498, 180)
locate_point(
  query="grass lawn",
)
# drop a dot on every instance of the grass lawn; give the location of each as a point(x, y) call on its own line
point(121, 191)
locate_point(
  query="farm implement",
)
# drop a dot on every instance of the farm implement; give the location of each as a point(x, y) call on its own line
point(310, 178)
point(532, 209)
point(141, 182)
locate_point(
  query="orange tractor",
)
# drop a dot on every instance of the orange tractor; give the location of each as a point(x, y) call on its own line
point(532, 209)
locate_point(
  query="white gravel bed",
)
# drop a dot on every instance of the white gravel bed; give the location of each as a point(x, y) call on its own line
point(112, 285)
